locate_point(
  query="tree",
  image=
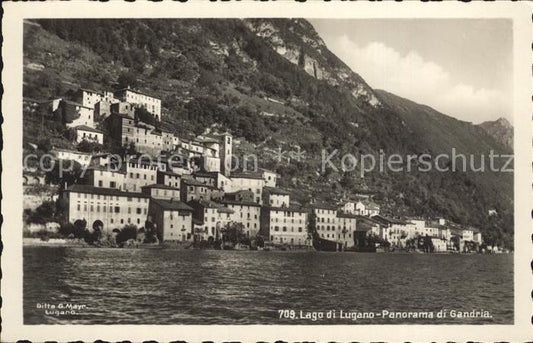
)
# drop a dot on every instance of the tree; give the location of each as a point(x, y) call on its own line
point(43, 214)
point(233, 232)
point(44, 145)
point(128, 232)
point(80, 227)
point(86, 146)
point(127, 79)
point(66, 229)
point(150, 235)
point(63, 171)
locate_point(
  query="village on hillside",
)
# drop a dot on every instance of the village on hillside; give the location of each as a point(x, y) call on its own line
point(176, 191)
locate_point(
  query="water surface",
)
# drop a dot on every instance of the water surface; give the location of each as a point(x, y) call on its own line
point(151, 286)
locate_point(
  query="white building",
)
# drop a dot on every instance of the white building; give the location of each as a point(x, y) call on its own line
point(247, 213)
point(468, 234)
point(103, 177)
point(107, 207)
point(150, 103)
point(86, 133)
point(75, 114)
point(169, 178)
point(439, 244)
point(326, 222)
point(172, 220)
point(88, 97)
point(210, 218)
point(276, 197)
point(139, 173)
point(366, 208)
point(349, 207)
point(346, 230)
point(286, 226)
point(270, 177)
point(157, 191)
point(83, 158)
point(248, 181)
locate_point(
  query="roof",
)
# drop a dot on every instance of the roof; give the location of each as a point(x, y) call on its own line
point(323, 206)
point(160, 186)
point(193, 182)
point(104, 191)
point(71, 151)
point(246, 175)
point(168, 173)
point(362, 225)
point(172, 205)
point(367, 219)
point(136, 91)
point(88, 128)
point(263, 170)
point(241, 203)
point(275, 190)
point(91, 90)
point(206, 174)
point(289, 209)
point(212, 204)
point(383, 219)
point(346, 215)
point(76, 104)
point(104, 168)
point(370, 204)
point(122, 115)
point(201, 139)
point(143, 160)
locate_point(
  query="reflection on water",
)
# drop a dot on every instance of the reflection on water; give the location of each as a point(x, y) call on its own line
point(151, 286)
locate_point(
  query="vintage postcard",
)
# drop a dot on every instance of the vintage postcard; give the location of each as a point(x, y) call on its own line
point(266, 171)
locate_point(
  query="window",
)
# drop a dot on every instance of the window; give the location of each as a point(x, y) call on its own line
point(79, 207)
point(117, 209)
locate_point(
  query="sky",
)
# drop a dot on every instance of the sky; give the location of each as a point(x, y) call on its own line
point(460, 67)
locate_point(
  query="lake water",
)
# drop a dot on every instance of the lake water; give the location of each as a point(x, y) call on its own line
point(152, 286)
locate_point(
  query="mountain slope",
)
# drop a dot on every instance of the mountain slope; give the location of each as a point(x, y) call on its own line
point(501, 130)
point(273, 83)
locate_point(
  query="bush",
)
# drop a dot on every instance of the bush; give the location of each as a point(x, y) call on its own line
point(128, 232)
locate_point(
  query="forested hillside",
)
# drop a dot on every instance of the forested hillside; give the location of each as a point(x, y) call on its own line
point(273, 84)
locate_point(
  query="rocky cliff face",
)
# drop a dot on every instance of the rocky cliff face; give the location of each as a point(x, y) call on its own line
point(298, 42)
point(501, 130)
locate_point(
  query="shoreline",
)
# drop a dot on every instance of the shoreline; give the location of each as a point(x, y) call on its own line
point(64, 243)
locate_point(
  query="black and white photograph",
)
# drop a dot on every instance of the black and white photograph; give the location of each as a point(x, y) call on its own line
point(266, 170)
